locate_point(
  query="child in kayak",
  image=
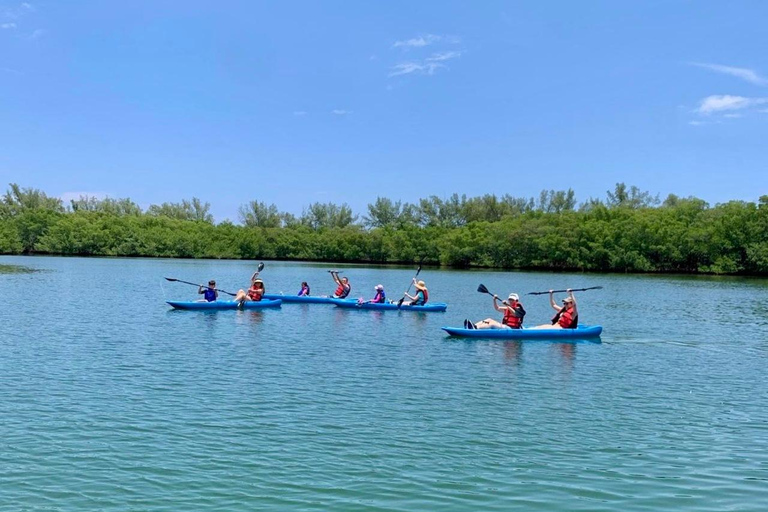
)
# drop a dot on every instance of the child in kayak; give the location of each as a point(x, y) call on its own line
point(567, 316)
point(254, 293)
point(344, 287)
point(379, 298)
point(304, 292)
point(422, 294)
point(513, 315)
point(209, 293)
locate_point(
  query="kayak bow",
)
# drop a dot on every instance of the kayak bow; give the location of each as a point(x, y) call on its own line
point(296, 299)
point(427, 308)
point(224, 304)
point(581, 332)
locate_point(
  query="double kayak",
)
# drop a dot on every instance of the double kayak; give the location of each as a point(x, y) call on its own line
point(581, 332)
point(225, 304)
point(307, 299)
point(426, 308)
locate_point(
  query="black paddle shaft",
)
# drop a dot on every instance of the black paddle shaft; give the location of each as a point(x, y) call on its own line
point(564, 291)
point(200, 285)
point(400, 302)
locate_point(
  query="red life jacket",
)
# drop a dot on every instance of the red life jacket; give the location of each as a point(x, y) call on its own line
point(510, 320)
point(566, 319)
point(424, 293)
point(341, 292)
point(255, 293)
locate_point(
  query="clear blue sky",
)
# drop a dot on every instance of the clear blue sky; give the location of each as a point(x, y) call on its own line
point(297, 102)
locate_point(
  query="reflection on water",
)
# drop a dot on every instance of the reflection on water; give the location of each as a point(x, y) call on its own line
point(513, 351)
point(567, 351)
point(17, 269)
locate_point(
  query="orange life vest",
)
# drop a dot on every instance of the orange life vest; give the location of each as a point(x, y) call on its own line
point(566, 319)
point(255, 293)
point(510, 320)
point(342, 292)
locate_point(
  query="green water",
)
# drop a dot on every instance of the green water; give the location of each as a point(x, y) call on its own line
point(109, 400)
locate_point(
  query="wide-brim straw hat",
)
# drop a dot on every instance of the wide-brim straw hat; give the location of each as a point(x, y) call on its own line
point(421, 285)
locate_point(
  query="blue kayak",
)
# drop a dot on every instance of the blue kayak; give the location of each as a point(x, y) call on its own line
point(295, 299)
point(225, 304)
point(581, 332)
point(427, 308)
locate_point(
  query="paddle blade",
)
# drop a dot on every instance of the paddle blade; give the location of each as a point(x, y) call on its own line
point(170, 279)
point(260, 267)
point(418, 271)
point(482, 289)
point(400, 302)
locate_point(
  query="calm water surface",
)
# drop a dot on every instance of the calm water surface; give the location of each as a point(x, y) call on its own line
point(109, 400)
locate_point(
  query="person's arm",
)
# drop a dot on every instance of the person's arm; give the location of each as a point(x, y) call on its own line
point(254, 276)
point(552, 301)
point(570, 294)
point(216, 293)
point(410, 296)
point(335, 276)
point(496, 306)
point(200, 290)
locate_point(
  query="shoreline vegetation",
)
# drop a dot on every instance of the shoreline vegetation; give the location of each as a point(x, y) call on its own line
point(628, 231)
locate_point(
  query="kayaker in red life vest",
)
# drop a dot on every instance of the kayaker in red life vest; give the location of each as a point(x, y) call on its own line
point(422, 294)
point(209, 293)
point(567, 316)
point(513, 311)
point(254, 293)
point(344, 287)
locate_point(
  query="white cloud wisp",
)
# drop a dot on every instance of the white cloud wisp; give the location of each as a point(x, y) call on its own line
point(746, 74)
point(417, 42)
point(716, 104)
point(428, 66)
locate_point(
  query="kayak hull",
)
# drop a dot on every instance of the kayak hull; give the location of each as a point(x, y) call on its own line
point(427, 308)
point(224, 304)
point(581, 332)
point(295, 299)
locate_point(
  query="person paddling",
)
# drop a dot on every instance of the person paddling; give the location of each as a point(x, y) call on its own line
point(379, 298)
point(422, 294)
point(254, 293)
point(513, 311)
point(344, 287)
point(304, 292)
point(567, 316)
point(209, 293)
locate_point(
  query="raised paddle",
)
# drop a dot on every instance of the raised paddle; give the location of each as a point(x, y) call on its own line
point(563, 291)
point(201, 285)
point(482, 289)
point(400, 302)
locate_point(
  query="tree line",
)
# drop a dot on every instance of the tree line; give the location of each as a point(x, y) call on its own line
point(629, 230)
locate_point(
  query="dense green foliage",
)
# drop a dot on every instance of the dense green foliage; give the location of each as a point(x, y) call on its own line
point(631, 231)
